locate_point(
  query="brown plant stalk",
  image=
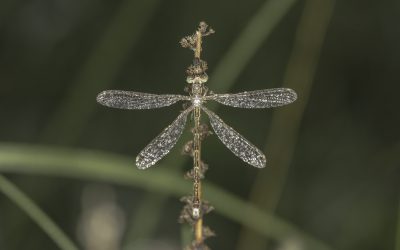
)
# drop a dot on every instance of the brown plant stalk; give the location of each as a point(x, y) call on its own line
point(194, 209)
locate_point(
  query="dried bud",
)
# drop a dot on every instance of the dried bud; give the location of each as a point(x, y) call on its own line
point(197, 246)
point(204, 131)
point(188, 148)
point(188, 42)
point(207, 233)
point(206, 208)
point(197, 68)
point(205, 30)
point(204, 168)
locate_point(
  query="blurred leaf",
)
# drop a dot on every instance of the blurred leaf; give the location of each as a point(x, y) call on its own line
point(247, 43)
point(99, 71)
point(85, 164)
point(282, 138)
point(36, 214)
point(397, 240)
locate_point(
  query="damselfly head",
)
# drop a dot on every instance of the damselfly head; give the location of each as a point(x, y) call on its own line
point(202, 78)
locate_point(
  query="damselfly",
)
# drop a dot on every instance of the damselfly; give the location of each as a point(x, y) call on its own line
point(163, 143)
point(198, 96)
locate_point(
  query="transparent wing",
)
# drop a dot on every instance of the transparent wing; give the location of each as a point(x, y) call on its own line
point(163, 143)
point(136, 100)
point(241, 147)
point(265, 98)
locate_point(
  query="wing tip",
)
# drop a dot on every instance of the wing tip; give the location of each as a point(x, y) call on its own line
point(141, 163)
point(262, 163)
point(293, 95)
point(100, 98)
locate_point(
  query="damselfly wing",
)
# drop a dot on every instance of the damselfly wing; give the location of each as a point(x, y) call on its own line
point(122, 99)
point(163, 143)
point(265, 98)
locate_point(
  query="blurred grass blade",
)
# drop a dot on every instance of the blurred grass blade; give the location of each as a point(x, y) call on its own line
point(36, 214)
point(144, 218)
point(282, 137)
point(99, 71)
point(247, 43)
point(186, 235)
point(397, 240)
point(154, 202)
point(223, 78)
point(84, 164)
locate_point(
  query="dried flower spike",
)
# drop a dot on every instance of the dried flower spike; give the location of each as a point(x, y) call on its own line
point(198, 96)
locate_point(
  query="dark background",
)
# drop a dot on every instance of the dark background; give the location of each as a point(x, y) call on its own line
point(340, 156)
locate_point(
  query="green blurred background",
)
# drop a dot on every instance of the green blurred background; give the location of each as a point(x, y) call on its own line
point(334, 155)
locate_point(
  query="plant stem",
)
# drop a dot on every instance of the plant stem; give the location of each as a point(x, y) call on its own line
point(198, 45)
point(198, 227)
point(196, 179)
